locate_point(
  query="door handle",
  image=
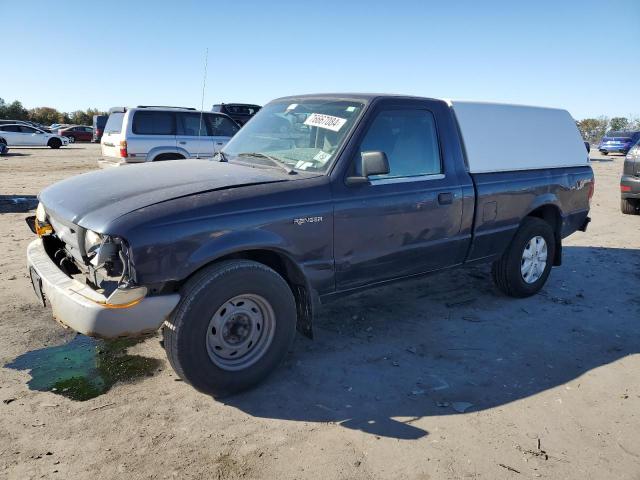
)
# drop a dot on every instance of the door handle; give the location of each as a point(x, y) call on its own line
point(445, 198)
point(182, 143)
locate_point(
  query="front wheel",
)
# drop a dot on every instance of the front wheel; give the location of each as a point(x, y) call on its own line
point(72, 139)
point(524, 267)
point(234, 324)
point(55, 143)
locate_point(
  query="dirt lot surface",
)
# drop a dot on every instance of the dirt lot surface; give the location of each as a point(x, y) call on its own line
point(436, 378)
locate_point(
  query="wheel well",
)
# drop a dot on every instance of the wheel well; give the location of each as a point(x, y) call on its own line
point(292, 274)
point(551, 215)
point(168, 156)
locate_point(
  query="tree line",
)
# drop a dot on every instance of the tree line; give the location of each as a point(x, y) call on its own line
point(592, 129)
point(46, 115)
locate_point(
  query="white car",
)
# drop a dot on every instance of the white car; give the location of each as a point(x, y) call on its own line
point(151, 134)
point(20, 135)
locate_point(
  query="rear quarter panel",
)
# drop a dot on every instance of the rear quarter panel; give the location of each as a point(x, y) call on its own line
point(505, 198)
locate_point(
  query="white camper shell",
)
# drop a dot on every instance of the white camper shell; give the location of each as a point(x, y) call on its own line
point(502, 137)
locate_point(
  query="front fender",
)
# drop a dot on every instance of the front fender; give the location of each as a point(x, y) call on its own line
point(232, 242)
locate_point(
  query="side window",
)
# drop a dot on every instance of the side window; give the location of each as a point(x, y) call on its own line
point(191, 125)
point(153, 123)
point(222, 126)
point(25, 129)
point(409, 139)
point(11, 128)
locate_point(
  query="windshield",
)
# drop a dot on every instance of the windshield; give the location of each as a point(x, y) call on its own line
point(620, 135)
point(114, 123)
point(303, 134)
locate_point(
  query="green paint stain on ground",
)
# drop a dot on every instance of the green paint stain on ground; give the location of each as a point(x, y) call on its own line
point(84, 367)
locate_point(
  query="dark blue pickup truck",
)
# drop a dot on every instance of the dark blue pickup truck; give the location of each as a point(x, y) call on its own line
point(318, 196)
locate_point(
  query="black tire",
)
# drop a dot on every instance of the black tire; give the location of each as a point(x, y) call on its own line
point(628, 207)
point(506, 271)
point(72, 139)
point(168, 156)
point(605, 153)
point(55, 143)
point(186, 331)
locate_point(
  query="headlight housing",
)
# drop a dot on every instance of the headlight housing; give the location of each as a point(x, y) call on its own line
point(92, 242)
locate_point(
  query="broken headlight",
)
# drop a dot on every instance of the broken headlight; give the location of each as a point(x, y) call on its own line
point(102, 250)
point(92, 243)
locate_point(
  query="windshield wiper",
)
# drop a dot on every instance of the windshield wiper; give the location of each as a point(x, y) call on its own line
point(274, 160)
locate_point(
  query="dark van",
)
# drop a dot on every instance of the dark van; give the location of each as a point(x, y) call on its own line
point(99, 121)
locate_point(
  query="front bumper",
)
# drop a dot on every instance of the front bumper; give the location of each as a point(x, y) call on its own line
point(614, 148)
point(81, 308)
point(632, 185)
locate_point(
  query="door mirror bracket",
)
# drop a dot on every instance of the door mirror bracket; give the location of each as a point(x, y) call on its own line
point(372, 163)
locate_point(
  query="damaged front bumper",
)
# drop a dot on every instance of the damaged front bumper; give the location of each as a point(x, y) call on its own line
point(85, 310)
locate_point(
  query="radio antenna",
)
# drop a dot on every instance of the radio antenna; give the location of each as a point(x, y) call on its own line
point(204, 84)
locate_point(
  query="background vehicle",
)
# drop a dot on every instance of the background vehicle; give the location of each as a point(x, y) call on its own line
point(78, 133)
point(13, 122)
point(240, 112)
point(149, 134)
point(618, 142)
point(630, 182)
point(25, 135)
point(317, 196)
point(99, 121)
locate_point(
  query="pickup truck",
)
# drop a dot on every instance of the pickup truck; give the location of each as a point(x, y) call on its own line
point(318, 196)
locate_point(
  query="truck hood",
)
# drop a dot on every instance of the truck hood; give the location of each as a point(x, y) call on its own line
point(99, 197)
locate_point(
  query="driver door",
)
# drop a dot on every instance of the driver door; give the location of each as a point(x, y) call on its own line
point(408, 221)
point(30, 136)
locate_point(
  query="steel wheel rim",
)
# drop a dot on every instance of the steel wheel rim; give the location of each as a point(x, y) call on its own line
point(240, 332)
point(534, 259)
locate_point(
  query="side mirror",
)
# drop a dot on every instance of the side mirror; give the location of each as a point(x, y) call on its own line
point(373, 163)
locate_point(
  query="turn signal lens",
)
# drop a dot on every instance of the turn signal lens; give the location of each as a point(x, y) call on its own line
point(123, 149)
point(126, 297)
point(43, 229)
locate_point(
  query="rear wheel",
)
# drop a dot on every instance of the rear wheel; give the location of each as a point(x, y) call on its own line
point(72, 139)
point(234, 324)
point(629, 206)
point(54, 143)
point(524, 267)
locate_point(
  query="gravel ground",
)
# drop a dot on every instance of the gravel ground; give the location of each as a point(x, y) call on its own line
point(435, 378)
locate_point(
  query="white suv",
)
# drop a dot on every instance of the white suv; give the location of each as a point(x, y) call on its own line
point(151, 134)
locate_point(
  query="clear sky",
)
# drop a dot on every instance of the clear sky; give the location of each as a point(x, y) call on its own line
point(581, 55)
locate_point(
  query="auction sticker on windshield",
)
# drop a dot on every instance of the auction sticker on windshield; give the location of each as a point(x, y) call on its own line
point(325, 121)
